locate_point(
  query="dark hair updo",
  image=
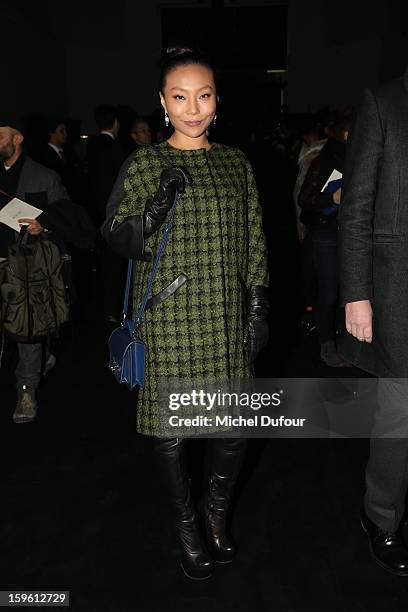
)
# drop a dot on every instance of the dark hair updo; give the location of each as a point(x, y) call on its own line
point(173, 57)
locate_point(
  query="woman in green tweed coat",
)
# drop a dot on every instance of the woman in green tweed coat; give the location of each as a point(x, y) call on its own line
point(207, 320)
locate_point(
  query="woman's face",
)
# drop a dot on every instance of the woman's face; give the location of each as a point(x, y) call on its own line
point(190, 99)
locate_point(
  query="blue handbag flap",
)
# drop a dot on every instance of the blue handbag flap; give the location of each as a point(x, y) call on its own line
point(127, 355)
point(120, 339)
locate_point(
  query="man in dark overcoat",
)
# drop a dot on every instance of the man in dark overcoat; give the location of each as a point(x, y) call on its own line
point(374, 287)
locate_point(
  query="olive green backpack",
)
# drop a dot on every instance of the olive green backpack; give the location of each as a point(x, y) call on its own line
point(34, 299)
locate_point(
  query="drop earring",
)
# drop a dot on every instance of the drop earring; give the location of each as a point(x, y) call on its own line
point(166, 119)
point(214, 120)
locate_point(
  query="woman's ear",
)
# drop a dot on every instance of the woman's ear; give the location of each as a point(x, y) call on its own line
point(162, 102)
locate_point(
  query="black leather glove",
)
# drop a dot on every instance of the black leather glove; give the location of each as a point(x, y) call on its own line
point(257, 330)
point(156, 208)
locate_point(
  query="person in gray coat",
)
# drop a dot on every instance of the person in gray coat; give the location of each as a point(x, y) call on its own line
point(374, 289)
point(22, 177)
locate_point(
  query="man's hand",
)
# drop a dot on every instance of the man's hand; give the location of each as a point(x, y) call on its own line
point(33, 227)
point(359, 316)
point(337, 196)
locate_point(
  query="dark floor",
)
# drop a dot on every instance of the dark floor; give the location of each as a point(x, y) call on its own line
point(82, 509)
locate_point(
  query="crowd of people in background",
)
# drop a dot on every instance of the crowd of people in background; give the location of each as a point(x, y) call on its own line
point(290, 157)
point(280, 151)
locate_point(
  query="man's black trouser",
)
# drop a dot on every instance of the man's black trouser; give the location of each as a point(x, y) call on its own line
point(28, 370)
point(387, 469)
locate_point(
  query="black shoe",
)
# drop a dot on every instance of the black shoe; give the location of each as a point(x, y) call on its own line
point(195, 560)
point(225, 464)
point(386, 548)
point(26, 408)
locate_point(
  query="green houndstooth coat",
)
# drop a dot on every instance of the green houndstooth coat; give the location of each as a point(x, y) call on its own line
point(217, 241)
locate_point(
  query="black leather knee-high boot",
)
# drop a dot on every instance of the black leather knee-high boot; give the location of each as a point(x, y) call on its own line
point(224, 463)
point(195, 560)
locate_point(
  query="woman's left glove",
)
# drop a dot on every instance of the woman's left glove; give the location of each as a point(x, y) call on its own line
point(256, 330)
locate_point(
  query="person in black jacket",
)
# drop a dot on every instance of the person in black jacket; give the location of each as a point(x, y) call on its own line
point(104, 159)
point(61, 158)
point(41, 187)
point(374, 290)
point(53, 155)
point(319, 215)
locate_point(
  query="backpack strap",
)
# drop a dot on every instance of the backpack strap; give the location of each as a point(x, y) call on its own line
point(23, 236)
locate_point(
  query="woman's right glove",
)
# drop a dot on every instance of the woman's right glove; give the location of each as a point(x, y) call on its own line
point(127, 238)
point(156, 208)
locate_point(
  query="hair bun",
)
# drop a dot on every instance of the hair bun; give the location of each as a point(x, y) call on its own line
point(171, 52)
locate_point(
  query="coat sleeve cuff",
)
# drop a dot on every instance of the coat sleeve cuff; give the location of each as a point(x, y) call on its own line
point(126, 239)
point(357, 294)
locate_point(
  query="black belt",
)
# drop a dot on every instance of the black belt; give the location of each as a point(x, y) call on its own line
point(166, 292)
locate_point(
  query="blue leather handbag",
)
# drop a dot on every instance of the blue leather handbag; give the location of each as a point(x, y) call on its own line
point(127, 350)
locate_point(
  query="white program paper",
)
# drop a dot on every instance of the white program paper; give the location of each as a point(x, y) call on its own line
point(17, 209)
point(335, 176)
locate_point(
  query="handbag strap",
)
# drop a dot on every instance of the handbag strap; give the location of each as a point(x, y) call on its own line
point(153, 273)
point(127, 290)
point(162, 246)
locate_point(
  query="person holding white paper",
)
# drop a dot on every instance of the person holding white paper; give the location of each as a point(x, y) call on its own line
point(319, 199)
point(22, 177)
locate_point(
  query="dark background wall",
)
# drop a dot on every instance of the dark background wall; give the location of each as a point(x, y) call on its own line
point(32, 60)
point(66, 57)
point(336, 48)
